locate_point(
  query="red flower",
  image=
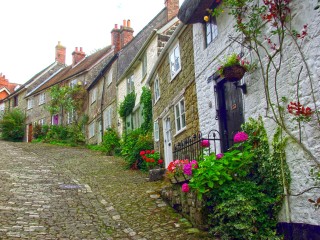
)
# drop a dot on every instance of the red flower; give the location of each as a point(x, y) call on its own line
point(142, 153)
point(152, 151)
point(160, 161)
point(148, 151)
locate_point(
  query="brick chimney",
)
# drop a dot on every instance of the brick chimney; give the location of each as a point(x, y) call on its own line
point(77, 56)
point(3, 81)
point(121, 37)
point(60, 53)
point(115, 38)
point(172, 8)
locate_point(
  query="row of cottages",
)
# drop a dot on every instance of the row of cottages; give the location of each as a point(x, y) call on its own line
point(107, 75)
point(189, 96)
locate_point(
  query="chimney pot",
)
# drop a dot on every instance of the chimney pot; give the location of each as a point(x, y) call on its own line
point(76, 50)
point(129, 23)
point(116, 26)
point(80, 49)
point(124, 23)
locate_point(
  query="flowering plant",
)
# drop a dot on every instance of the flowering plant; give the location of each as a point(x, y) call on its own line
point(300, 112)
point(152, 158)
point(233, 60)
point(180, 168)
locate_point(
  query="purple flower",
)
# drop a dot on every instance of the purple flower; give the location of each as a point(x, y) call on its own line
point(240, 137)
point(185, 187)
point(187, 169)
point(205, 143)
point(219, 156)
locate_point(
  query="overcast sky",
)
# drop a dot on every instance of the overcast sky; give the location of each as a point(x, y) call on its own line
point(30, 29)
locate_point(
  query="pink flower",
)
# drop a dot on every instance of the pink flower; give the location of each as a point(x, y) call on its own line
point(185, 187)
point(187, 169)
point(240, 137)
point(219, 156)
point(194, 164)
point(205, 143)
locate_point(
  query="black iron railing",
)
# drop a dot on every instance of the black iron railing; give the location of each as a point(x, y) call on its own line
point(192, 147)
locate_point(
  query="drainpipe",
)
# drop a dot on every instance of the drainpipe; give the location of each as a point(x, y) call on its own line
point(101, 106)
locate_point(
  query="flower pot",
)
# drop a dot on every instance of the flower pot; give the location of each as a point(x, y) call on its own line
point(180, 179)
point(234, 73)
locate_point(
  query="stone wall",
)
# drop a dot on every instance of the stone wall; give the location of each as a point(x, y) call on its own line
point(300, 164)
point(187, 204)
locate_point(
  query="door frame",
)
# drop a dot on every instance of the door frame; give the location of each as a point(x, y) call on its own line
point(29, 132)
point(167, 147)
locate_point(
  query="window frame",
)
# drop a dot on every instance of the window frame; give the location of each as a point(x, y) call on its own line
point(144, 63)
point(93, 95)
point(182, 115)
point(172, 52)
point(130, 84)
point(30, 103)
point(109, 78)
point(107, 118)
point(156, 90)
point(212, 25)
point(42, 98)
point(92, 130)
point(156, 132)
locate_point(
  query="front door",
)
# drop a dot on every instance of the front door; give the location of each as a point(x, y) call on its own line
point(230, 112)
point(30, 132)
point(167, 141)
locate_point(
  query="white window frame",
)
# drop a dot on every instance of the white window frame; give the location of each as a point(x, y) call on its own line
point(144, 63)
point(156, 133)
point(175, 61)
point(107, 118)
point(93, 97)
point(41, 122)
point(92, 130)
point(30, 103)
point(130, 84)
point(156, 89)
point(42, 98)
point(211, 30)
point(71, 116)
point(180, 117)
point(109, 77)
point(73, 83)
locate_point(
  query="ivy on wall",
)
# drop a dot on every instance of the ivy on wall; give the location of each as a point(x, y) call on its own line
point(146, 104)
point(127, 105)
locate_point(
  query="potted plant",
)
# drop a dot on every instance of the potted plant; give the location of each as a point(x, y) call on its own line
point(233, 68)
point(154, 164)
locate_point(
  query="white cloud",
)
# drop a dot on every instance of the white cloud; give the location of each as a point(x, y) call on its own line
point(31, 29)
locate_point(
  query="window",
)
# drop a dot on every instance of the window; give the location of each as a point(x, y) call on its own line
point(180, 116)
point(211, 30)
point(130, 84)
point(73, 83)
point(93, 95)
point(156, 131)
point(137, 118)
point(41, 122)
point(71, 116)
point(30, 103)
point(156, 90)
point(92, 130)
point(175, 62)
point(107, 118)
point(109, 77)
point(42, 98)
point(144, 65)
point(15, 101)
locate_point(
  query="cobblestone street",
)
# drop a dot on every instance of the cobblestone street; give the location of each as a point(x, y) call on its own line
point(52, 192)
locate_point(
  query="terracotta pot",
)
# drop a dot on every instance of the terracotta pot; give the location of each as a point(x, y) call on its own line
point(234, 73)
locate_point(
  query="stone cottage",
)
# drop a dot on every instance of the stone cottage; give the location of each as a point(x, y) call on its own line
point(224, 106)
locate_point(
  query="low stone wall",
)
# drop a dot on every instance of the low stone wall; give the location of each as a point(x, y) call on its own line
point(187, 204)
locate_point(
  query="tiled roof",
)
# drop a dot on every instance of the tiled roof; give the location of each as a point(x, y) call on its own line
point(70, 71)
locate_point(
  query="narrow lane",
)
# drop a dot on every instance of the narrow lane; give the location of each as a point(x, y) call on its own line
point(52, 192)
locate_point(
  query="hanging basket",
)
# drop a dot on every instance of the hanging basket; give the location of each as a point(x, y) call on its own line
point(234, 73)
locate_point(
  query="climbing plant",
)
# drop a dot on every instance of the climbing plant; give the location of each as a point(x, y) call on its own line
point(146, 104)
point(127, 105)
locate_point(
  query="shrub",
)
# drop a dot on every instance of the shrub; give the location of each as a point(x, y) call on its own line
point(71, 135)
point(132, 144)
point(40, 131)
point(111, 142)
point(12, 125)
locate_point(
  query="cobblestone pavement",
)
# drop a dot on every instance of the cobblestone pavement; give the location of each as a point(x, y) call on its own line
point(52, 192)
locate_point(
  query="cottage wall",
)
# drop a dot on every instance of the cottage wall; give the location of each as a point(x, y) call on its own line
point(183, 85)
point(300, 164)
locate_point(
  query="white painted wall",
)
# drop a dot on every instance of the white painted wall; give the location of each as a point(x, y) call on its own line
point(206, 63)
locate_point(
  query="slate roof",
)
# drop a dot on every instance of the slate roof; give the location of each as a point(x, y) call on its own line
point(129, 51)
point(79, 68)
point(193, 11)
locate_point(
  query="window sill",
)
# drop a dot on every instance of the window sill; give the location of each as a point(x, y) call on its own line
point(175, 75)
point(156, 101)
point(181, 131)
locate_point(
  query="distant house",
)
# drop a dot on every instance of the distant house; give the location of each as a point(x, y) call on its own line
point(137, 59)
point(6, 88)
point(21, 98)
